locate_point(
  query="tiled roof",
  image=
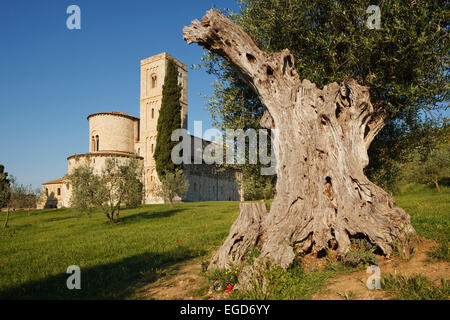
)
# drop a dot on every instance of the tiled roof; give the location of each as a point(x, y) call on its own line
point(54, 181)
point(104, 153)
point(115, 113)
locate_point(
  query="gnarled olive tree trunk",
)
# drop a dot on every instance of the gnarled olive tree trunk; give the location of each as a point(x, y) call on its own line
point(321, 139)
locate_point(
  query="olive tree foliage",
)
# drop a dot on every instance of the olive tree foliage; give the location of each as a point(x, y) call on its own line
point(22, 196)
point(323, 198)
point(405, 63)
point(31, 197)
point(429, 162)
point(434, 167)
point(172, 185)
point(19, 196)
point(119, 182)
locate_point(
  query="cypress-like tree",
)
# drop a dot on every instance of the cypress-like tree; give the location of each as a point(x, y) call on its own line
point(5, 189)
point(169, 119)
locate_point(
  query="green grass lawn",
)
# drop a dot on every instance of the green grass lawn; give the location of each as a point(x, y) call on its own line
point(36, 250)
point(429, 210)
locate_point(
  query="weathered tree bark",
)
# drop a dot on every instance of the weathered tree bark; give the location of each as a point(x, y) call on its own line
point(323, 198)
point(435, 180)
point(245, 231)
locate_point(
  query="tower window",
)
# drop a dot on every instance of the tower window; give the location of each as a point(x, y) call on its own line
point(59, 191)
point(153, 113)
point(152, 147)
point(154, 81)
point(97, 143)
point(180, 79)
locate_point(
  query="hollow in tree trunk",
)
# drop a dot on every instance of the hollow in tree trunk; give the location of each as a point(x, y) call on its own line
point(321, 137)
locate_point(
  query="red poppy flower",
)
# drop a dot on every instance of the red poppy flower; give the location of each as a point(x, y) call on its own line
point(229, 287)
point(227, 291)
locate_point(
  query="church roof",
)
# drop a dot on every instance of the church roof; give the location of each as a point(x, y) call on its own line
point(57, 181)
point(105, 153)
point(114, 113)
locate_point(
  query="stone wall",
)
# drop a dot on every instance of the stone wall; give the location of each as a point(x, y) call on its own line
point(115, 132)
point(52, 196)
point(207, 183)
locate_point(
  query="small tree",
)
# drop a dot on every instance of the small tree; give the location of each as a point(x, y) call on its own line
point(31, 197)
point(434, 166)
point(171, 186)
point(17, 199)
point(19, 193)
point(130, 185)
point(116, 184)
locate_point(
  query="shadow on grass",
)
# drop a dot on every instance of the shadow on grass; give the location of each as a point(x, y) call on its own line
point(151, 214)
point(109, 281)
point(60, 218)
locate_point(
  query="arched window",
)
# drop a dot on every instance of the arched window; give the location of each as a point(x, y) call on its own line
point(97, 143)
point(153, 113)
point(93, 144)
point(152, 147)
point(154, 81)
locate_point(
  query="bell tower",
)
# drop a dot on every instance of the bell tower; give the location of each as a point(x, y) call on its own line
point(153, 71)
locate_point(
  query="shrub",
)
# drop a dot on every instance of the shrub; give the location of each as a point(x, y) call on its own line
point(222, 278)
point(361, 252)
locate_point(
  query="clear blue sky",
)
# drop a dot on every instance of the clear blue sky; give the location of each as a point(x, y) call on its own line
point(52, 78)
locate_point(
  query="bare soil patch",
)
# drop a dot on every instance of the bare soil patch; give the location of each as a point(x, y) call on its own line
point(353, 286)
point(183, 281)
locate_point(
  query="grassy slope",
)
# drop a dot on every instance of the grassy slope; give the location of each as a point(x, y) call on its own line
point(35, 251)
point(429, 210)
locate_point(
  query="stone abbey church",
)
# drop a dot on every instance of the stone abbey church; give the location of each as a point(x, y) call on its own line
point(116, 134)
